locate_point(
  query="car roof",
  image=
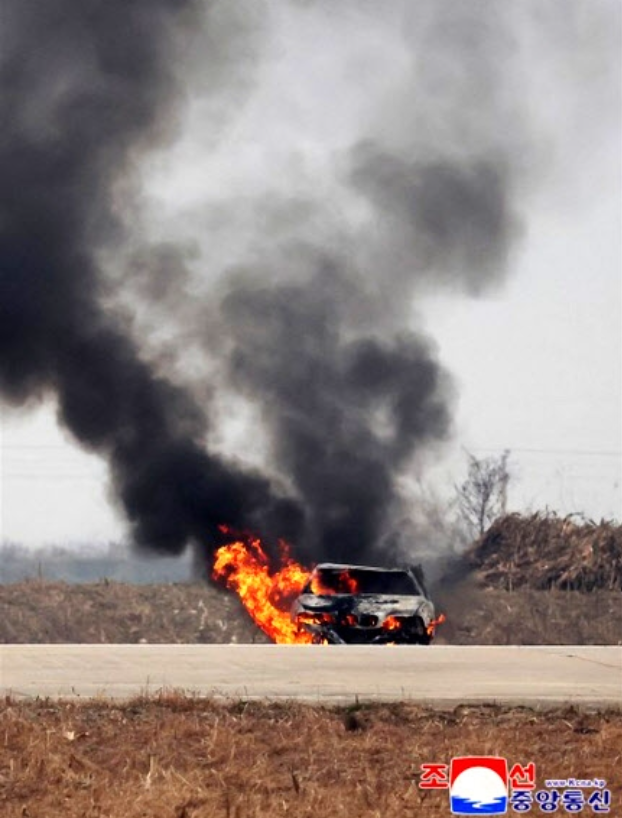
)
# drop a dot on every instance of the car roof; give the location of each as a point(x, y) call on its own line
point(335, 566)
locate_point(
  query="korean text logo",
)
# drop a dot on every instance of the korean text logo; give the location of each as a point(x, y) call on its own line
point(486, 785)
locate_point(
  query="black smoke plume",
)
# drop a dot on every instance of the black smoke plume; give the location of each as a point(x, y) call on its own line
point(351, 388)
point(315, 326)
point(86, 85)
point(344, 413)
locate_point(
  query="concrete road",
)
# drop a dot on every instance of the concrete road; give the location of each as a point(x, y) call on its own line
point(440, 675)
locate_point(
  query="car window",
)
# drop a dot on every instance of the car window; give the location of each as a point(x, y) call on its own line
point(360, 581)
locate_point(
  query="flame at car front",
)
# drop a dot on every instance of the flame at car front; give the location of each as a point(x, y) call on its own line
point(245, 568)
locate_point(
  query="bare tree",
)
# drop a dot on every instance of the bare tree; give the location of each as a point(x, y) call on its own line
point(483, 495)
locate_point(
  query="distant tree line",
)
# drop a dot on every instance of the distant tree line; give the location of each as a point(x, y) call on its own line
point(89, 563)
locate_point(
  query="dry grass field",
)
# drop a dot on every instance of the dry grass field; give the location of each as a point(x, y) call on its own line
point(41, 611)
point(176, 757)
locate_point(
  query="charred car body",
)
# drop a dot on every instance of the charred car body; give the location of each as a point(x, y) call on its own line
point(356, 604)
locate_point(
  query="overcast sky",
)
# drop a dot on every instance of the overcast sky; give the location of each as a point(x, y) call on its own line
point(536, 358)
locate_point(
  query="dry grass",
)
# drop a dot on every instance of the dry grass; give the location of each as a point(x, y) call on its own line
point(42, 612)
point(545, 551)
point(485, 616)
point(188, 758)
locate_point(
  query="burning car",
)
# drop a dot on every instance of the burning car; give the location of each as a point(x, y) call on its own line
point(356, 604)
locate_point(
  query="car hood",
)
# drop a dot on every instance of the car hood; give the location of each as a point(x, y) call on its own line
point(381, 605)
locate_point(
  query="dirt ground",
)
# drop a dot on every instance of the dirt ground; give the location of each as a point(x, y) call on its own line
point(41, 611)
point(175, 757)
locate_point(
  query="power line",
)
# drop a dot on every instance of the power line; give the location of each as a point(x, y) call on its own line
point(533, 450)
point(518, 449)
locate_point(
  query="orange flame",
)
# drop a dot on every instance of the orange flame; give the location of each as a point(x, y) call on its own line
point(392, 623)
point(244, 567)
point(433, 624)
point(345, 584)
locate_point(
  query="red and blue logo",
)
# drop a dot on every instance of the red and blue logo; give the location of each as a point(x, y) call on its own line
point(478, 785)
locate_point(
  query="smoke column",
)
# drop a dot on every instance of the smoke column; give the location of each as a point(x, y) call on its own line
point(86, 86)
point(351, 389)
point(315, 324)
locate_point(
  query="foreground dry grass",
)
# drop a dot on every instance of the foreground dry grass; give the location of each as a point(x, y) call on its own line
point(175, 757)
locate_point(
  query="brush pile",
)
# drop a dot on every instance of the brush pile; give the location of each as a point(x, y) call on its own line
point(545, 551)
